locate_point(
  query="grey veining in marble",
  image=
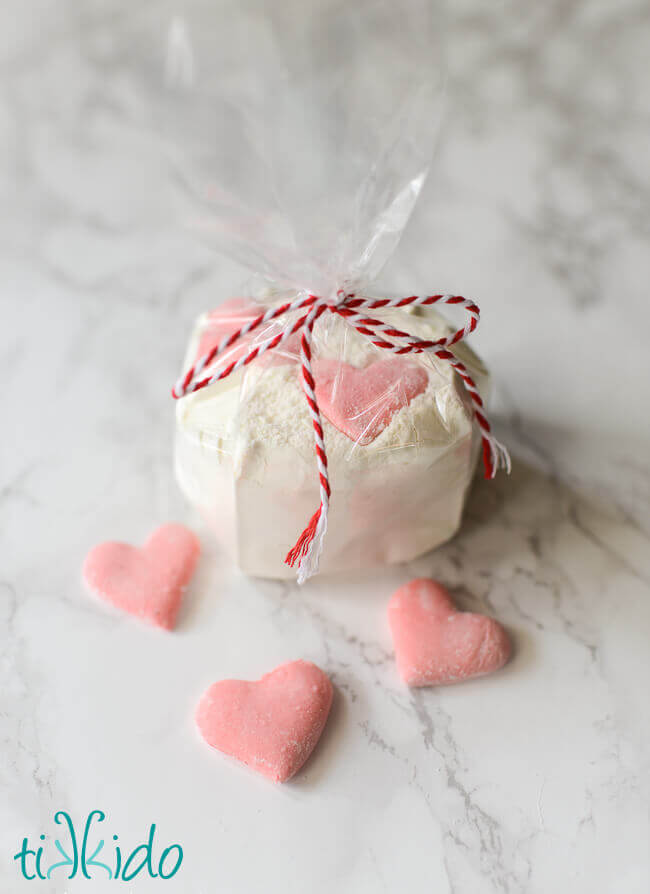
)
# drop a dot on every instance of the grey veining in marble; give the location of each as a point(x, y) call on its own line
point(533, 780)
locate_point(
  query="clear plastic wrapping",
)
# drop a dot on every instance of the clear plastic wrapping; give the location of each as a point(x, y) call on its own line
point(302, 135)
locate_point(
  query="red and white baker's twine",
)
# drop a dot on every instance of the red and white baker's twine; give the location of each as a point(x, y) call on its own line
point(308, 548)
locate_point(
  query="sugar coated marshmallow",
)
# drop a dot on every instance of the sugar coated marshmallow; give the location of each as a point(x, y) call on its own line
point(272, 724)
point(435, 643)
point(147, 582)
point(362, 402)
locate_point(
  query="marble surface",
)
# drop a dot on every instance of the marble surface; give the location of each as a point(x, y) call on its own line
point(533, 780)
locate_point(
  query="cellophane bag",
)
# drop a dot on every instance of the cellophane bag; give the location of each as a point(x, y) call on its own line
point(302, 135)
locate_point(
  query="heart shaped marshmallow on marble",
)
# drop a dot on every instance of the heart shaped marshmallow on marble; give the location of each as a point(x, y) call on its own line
point(435, 643)
point(148, 582)
point(272, 724)
point(361, 402)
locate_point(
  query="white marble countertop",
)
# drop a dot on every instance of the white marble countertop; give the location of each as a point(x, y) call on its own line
point(533, 780)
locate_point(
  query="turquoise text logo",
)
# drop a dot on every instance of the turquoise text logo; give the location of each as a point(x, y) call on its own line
point(79, 858)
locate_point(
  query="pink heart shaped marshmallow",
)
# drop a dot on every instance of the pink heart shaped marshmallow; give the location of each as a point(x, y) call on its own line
point(362, 402)
point(147, 582)
point(272, 724)
point(231, 316)
point(435, 643)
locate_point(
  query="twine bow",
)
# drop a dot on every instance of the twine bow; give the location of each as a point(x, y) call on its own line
point(307, 549)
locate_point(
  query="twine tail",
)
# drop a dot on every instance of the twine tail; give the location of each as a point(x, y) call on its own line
point(309, 546)
point(495, 456)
